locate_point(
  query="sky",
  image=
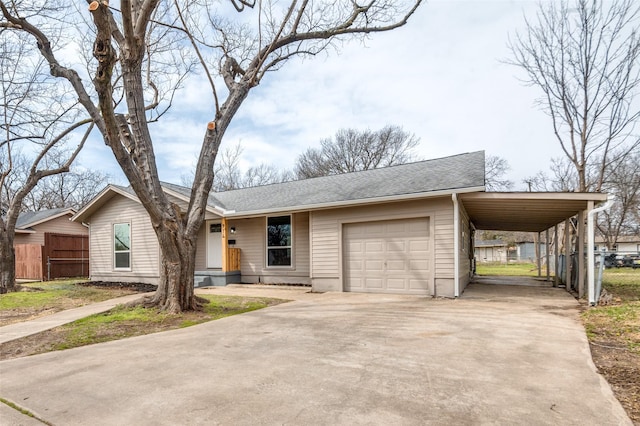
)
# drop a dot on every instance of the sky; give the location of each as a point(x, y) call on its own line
point(442, 77)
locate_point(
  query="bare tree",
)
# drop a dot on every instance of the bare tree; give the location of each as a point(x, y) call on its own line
point(562, 178)
point(73, 189)
point(130, 44)
point(584, 56)
point(352, 150)
point(38, 122)
point(228, 174)
point(495, 169)
point(622, 218)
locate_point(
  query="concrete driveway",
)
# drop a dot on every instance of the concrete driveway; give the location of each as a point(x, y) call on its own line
point(491, 357)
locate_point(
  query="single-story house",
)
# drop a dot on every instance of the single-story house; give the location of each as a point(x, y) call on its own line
point(400, 229)
point(31, 227)
point(625, 244)
point(491, 251)
point(49, 245)
point(526, 251)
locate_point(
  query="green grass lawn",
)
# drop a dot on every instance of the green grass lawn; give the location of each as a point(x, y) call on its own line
point(510, 269)
point(50, 294)
point(623, 283)
point(41, 298)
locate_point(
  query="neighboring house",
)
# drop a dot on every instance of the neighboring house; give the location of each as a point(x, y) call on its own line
point(625, 244)
point(490, 251)
point(401, 229)
point(49, 245)
point(526, 251)
point(32, 226)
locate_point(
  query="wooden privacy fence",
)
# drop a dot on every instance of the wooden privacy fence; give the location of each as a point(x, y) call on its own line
point(29, 261)
point(63, 255)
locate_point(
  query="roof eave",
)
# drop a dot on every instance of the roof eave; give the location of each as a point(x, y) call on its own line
point(99, 200)
point(25, 231)
point(211, 209)
point(572, 196)
point(47, 219)
point(357, 202)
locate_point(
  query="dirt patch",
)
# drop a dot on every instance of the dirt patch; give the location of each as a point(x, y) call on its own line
point(108, 290)
point(621, 367)
point(139, 287)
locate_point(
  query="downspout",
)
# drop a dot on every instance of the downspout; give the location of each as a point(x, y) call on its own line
point(590, 249)
point(456, 246)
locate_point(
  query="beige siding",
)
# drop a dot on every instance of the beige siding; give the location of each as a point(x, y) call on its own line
point(60, 225)
point(326, 228)
point(145, 252)
point(29, 239)
point(201, 248)
point(250, 238)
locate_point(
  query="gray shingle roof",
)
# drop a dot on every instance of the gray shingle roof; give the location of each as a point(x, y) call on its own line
point(442, 174)
point(26, 219)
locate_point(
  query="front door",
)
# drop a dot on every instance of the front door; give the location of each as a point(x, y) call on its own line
point(214, 245)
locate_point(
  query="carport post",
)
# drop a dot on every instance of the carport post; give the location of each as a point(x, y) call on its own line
point(581, 274)
point(556, 250)
point(537, 251)
point(567, 254)
point(546, 252)
point(593, 297)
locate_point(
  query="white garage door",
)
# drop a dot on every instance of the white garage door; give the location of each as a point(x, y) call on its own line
point(387, 256)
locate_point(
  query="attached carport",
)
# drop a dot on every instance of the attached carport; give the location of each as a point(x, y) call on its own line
point(542, 212)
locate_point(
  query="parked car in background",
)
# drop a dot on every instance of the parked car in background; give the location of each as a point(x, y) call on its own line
point(615, 260)
point(610, 260)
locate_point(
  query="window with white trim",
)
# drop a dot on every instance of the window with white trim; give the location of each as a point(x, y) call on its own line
point(279, 241)
point(122, 246)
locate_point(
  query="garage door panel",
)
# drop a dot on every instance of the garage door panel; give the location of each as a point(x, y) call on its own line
point(418, 284)
point(400, 246)
point(373, 283)
point(374, 266)
point(355, 247)
point(355, 264)
point(374, 247)
point(396, 266)
point(387, 256)
point(419, 265)
point(356, 284)
point(396, 283)
point(421, 227)
point(396, 227)
point(418, 245)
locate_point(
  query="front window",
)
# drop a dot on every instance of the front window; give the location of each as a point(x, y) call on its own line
point(279, 241)
point(122, 245)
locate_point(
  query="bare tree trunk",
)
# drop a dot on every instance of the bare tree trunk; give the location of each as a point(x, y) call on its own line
point(7, 263)
point(175, 291)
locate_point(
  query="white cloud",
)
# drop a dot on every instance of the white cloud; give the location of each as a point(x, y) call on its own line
point(440, 77)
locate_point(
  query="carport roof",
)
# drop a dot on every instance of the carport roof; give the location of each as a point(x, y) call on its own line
point(525, 211)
